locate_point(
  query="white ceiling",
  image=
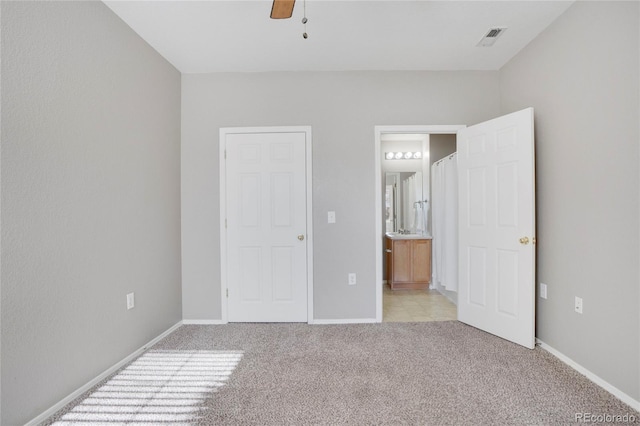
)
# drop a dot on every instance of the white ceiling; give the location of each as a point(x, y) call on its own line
point(218, 36)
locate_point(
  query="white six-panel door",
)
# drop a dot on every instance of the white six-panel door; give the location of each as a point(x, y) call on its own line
point(497, 227)
point(266, 227)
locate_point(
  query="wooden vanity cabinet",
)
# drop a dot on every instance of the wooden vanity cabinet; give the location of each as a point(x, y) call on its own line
point(408, 263)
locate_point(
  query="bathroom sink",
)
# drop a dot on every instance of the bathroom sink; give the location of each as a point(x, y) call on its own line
point(399, 236)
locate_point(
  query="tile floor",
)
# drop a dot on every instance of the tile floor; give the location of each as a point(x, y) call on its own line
point(416, 306)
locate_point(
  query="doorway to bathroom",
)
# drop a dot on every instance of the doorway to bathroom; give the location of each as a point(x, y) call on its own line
point(406, 155)
point(495, 275)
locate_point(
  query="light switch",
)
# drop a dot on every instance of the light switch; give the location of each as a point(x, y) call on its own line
point(331, 217)
point(131, 303)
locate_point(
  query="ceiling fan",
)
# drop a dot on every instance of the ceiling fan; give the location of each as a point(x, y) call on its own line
point(282, 9)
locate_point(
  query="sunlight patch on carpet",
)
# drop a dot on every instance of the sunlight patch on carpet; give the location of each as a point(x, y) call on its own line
point(161, 386)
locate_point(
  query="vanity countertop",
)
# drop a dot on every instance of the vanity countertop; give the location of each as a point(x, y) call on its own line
point(397, 236)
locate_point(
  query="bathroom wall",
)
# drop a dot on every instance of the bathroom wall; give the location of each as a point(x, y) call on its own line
point(441, 145)
point(90, 198)
point(342, 108)
point(581, 75)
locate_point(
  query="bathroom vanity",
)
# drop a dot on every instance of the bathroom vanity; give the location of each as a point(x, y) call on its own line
point(408, 261)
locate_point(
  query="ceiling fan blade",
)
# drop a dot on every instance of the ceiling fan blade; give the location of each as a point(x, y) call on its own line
point(282, 9)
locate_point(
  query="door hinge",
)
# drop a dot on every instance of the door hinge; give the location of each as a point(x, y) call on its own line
point(225, 154)
point(225, 223)
point(227, 292)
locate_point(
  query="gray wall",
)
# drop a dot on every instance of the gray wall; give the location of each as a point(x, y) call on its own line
point(581, 76)
point(342, 108)
point(90, 199)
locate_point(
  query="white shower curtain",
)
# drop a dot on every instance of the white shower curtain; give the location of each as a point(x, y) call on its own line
point(444, 211)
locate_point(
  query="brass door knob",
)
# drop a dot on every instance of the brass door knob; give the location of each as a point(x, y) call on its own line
point(301, 237)
point(524, 240)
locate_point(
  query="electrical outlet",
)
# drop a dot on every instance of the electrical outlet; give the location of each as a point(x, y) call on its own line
point(543, 290)
point(352, 279)
point(578, 305)
point(331, 217)
point(131, 302)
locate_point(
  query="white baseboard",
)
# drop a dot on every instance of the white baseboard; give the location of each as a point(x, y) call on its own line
point(55, 408)
point(449, 294)
point(591, 376)
point(203, 322)
point(344, 321)
point(315, 321)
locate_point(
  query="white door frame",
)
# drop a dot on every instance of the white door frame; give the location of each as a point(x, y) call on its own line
point(379, 131)
point(224, 131)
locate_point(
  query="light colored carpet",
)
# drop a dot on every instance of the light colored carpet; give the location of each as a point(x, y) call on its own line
point(434, 373)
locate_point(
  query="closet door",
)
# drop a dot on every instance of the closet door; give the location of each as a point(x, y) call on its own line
point(266, 225)
point(497, 227)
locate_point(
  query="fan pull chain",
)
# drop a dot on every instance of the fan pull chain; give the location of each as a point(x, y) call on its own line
point(304, 19)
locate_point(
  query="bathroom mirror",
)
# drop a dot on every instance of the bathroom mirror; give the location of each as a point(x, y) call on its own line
point(405, 181)
point(404, 202)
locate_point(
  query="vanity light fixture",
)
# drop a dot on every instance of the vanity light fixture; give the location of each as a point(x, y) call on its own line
point(403, 155)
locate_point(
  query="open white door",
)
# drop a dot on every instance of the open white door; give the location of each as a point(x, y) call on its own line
point(497, 227)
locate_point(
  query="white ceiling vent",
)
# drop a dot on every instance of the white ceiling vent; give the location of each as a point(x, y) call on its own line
point(491, 36)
